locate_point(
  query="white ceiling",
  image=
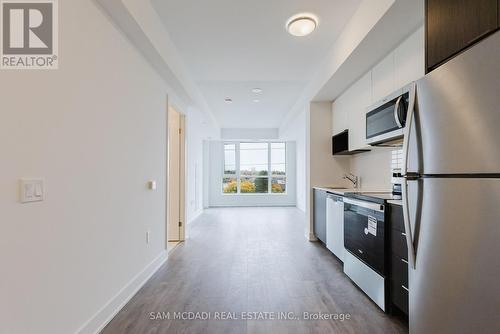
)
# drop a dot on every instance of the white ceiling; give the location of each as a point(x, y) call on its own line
point(231, 46)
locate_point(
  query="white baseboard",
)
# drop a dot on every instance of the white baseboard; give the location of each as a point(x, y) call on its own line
point(97, 323)
point(310, 236)
point(195, 216)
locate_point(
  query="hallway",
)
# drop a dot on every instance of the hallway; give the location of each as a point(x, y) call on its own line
point(251, 260)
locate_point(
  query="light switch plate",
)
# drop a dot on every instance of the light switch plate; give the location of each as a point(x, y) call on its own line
point(31, 190)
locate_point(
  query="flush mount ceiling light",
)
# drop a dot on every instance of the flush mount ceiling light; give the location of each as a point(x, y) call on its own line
point(302, 24)
point(256, 101)
point(257, 90)
point(228, 100)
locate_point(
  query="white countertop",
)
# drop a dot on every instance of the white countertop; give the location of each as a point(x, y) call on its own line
point(342, 190)
point(336, 189)
point(396, 202)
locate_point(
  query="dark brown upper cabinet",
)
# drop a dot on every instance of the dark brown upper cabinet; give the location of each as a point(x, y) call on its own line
point(454, 25)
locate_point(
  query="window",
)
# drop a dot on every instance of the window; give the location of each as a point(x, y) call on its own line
point(278, 168)
point(229, 181)
point(254, 168)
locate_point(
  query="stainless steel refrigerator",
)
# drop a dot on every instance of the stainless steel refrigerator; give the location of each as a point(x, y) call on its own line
point(451, 195)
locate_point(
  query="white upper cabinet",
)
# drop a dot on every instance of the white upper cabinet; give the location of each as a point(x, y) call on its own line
point(339, 119)
point(349, 111)
point(383, 75)
point(409, 59)
point(400, 67)
point(360, 95)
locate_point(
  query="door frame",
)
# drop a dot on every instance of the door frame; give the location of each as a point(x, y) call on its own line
point(182, 174)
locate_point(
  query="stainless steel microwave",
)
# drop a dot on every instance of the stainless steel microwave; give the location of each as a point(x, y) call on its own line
point(386, 119)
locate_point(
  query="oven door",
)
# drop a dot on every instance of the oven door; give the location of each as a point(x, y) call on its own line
point(364, 235)
point(386, 120)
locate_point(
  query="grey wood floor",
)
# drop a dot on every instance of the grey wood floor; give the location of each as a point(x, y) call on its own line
point(251, 260)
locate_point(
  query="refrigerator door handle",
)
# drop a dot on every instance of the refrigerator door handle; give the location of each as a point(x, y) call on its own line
point(406, 209)
point(406, 220)
point(408, 126)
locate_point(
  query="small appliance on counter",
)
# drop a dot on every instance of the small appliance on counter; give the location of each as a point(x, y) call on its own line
point(396, 170)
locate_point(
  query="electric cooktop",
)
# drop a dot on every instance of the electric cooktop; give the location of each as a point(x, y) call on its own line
point(380, 197)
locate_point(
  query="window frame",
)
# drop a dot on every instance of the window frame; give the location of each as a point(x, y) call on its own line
point(270, 176)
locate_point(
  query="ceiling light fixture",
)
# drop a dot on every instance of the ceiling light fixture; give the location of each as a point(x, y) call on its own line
point(302, 24)
point(257, 90)
point(256, 101)
point(228, 100)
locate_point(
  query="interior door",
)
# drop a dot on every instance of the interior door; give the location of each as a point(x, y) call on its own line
point(175, 200)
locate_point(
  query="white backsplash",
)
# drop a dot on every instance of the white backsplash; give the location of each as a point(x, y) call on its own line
point(397, 161)
point(374, 168)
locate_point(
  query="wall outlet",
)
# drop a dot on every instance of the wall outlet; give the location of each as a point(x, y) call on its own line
point(148, 233)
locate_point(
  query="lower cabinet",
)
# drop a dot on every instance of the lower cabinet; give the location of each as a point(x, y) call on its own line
point(319, 214)
point(399, 290)
point(399, 283)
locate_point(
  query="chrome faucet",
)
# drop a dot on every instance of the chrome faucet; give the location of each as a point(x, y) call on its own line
point(353, 178)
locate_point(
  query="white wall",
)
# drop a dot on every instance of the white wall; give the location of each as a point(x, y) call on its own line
point(373, 168)
point(197, 131)
point(296, 131)
point(218, 199)
point(316, 166)
point(95, 130)
point(325, 169)
point(249, 134)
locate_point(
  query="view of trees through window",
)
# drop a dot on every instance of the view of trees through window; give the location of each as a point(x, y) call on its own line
point(254, 168)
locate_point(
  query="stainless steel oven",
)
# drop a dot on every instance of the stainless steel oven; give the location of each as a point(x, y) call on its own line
point(364, 242)
point(364, 233)
point(386, 119)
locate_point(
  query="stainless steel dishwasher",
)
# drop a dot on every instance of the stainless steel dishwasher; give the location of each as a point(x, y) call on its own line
point(335, 225)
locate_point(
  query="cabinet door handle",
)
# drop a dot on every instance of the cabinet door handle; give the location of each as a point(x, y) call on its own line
point(403, 234)
point(404, 287)
point(404, 261)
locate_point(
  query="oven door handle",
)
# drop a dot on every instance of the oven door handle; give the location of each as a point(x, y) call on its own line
point(363, 204)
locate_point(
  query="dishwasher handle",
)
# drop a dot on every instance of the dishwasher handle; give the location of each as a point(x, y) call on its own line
point(335, 198)
point(366, 205)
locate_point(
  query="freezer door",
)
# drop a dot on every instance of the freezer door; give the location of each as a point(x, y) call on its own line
point(457, 115)
point(454, 288)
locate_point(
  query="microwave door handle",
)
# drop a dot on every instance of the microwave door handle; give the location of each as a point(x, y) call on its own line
point(396, 112)
point(406, 210)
